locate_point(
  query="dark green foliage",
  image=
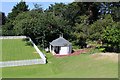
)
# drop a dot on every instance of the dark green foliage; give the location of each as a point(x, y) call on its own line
point(2, 18)
point(77, 21)
point(41, 27)
point(38, 8)
point(8, 28)
point(98, 27)
point(19, 8)
point(112, 8)
point(57, 9)
point(111, 36)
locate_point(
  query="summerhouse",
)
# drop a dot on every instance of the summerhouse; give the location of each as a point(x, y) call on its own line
point(60, 46)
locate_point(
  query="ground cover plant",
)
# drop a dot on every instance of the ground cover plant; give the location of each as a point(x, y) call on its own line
point(17, 49)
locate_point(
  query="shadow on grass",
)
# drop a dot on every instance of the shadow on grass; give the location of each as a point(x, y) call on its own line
point(25, 39)
point(28, 43)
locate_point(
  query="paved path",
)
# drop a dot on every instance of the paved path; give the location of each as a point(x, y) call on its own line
point(21, 62)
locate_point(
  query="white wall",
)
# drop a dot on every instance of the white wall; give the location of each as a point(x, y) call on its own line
point(38, 51)
point(21, 62)
point(64, 50)
point(12, 37)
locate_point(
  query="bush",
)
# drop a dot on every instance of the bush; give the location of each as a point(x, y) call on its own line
point(28, 43)
point(25, 39)
point(92, 51)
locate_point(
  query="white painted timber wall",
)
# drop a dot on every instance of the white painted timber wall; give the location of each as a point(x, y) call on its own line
point(64, 50)
point(38, 51)
point(12, 37)
point(21, 62)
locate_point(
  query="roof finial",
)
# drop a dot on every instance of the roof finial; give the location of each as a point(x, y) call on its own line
point(61, 35)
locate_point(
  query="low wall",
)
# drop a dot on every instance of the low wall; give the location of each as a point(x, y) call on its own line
point(21, 62)
point(12, 37)
point(38, 51)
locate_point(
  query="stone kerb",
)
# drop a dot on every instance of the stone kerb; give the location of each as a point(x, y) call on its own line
point(12, 37)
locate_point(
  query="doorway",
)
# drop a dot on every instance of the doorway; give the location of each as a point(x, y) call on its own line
point(57, 49)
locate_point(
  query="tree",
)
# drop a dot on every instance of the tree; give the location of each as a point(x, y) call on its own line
point(93, 12)
point(57, 9)
point(112, 8)
point(41, 27)
point(69, 12)
point(7, 29)
point(80, 32)
point(19, 8)
point(37, 7)
point(111, 36)
point(97, 28)
point(77, 21)
point(2, 18)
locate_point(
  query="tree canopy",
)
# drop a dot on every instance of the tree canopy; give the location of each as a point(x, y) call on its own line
point(18, 8)
point(77, 21)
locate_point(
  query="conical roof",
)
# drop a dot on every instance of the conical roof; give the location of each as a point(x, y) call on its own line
point(60, 42)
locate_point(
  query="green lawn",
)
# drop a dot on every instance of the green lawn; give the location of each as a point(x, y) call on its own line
point(0, 50)
point(0, 56)
point(81, 66)
point(17, 49)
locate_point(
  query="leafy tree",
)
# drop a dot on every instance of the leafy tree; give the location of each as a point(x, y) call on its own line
point(57, 9)
point(80, 32)
point(111, 36)
point(93, 12)
point(90, 9)
point(7, 29)
point(17, 9)
point(37, 7)
point(69, 12)
point(112, 8)
point(20, 7)
point(77, 21)
point(2, 18)
point(98, 27)
point(41, 27)
point(83, 31)
point(72, 12)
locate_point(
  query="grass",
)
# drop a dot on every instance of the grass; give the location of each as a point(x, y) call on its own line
point(80, 66)
point(17, 49)
point(0, 57)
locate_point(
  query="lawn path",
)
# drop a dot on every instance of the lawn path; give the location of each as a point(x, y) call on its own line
point(21, 62)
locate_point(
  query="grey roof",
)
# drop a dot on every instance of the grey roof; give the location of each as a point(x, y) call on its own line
point(60, 42)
